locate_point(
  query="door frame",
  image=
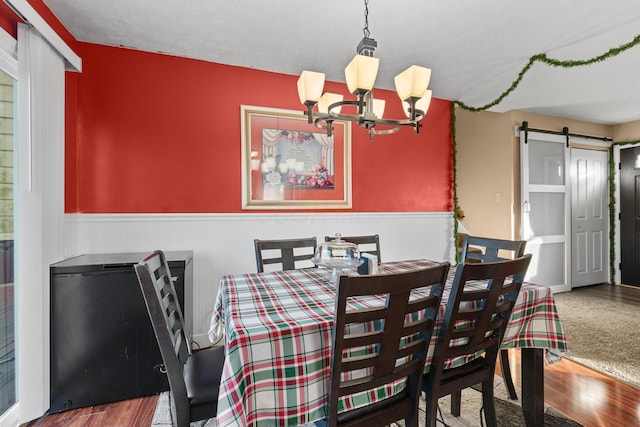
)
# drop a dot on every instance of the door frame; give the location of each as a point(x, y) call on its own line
point(601, 147)
point(9, 65)
point(616, 211)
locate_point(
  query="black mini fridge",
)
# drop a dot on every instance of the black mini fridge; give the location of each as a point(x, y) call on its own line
point(103, 348)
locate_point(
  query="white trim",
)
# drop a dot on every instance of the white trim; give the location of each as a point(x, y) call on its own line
point(592, 141)
point(29, 14)
point(8, 54)
point(39, 209)
point(9, 65)
point(10, 418)
point(543, 136)
point(128, 217)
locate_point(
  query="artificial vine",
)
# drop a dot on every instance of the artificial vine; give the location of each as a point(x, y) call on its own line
point(612, 211)
point(553, 62)
point(456, 205)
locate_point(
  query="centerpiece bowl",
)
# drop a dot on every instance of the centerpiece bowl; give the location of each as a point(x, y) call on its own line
point(338, 255)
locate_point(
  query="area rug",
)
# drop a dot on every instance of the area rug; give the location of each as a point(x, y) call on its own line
point(162, 415)
point(601, 335)
point(509, 413)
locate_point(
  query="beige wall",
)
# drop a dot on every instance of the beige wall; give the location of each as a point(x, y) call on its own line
point(627, 132)
point(488, 165)
point(484, 172)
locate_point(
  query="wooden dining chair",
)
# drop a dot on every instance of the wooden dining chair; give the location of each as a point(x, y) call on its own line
point(490, 249)
point(194, 378)
point(288, 252)
point(365, 357)
point(366, 244)
point(473, 327)
point(486, 249)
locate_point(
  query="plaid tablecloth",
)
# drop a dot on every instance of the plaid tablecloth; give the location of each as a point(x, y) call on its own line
point(277, 331)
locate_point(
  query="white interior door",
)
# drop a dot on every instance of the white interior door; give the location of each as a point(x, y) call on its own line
point(589, 218)
point(545, 222)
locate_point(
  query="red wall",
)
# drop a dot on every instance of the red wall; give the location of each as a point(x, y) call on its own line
point(9, 20)
point(151, 133)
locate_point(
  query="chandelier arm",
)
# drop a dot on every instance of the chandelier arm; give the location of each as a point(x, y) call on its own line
point(355, 118)
point(370, 124)
point(386, 131)
point(393, 122)
point(317, 122)
point(342, 103)
point(419, 114)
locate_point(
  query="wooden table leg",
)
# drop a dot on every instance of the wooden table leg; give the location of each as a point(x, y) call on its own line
point(532, 369)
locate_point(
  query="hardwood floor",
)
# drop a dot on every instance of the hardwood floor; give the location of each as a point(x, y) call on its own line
point(593, 399)
point(589, 397)
point(127, 413)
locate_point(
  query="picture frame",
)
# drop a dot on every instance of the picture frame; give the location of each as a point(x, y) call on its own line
point(288, 163)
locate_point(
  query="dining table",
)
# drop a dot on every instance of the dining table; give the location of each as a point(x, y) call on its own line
point(277, 327)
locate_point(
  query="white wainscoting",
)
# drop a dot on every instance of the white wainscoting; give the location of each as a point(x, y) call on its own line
point(223, 243)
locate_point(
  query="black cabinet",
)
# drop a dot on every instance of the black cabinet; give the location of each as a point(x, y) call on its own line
point(103, 348)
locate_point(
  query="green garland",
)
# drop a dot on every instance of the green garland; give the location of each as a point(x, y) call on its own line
point(553, 62)
point(542, 57)
point(456, 205)
point(612, 224)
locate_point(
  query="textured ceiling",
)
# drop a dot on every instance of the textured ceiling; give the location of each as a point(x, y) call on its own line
point(476, 49)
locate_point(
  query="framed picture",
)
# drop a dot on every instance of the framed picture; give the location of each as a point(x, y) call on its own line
point(288, 163)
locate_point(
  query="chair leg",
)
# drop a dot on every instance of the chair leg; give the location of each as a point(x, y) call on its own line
point(488, 403)
point(431, 409)
point(456, 403)
point(506, 374)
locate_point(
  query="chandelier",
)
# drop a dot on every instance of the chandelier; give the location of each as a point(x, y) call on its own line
point(411, 86)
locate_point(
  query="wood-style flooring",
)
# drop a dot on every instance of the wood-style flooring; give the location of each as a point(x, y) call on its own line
point(589, 397)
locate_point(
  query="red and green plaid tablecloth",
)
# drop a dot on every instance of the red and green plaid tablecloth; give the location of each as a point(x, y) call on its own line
point(277, 331)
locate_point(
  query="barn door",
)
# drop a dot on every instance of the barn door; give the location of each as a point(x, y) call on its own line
point(545, 207)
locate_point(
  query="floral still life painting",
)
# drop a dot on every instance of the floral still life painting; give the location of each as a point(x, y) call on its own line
point(291, 164)
point(297, 159)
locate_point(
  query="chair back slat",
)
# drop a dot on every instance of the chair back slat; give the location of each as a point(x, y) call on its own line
point(381, 335)
point(491, 249)
point(474, 321)
point(287, 252)
point(486, 306)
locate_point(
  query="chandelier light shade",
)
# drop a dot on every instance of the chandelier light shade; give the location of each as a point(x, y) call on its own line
point(412, 82)
point(378, 107)
point(310, 86)
point(360, 75)
point(422, 104)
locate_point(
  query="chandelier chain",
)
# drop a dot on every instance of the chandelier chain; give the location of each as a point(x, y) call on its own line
point(365, 30)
